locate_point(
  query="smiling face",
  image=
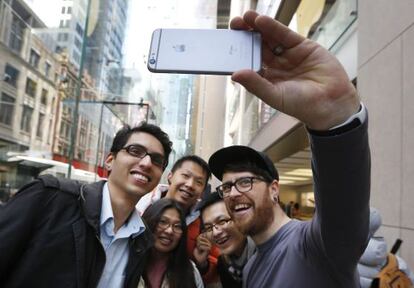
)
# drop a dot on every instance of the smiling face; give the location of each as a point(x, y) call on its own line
point(253, 212)
point(166, 240)
point(131, 177)
point(187, 183)
point(227, 237)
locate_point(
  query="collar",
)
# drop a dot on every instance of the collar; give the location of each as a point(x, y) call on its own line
point(133, 225)
point(91, 203)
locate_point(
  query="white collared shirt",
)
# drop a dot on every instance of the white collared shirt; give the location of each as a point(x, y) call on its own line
point(116, 244)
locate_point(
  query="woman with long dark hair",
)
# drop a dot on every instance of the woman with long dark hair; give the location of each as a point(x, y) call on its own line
point(168, 264)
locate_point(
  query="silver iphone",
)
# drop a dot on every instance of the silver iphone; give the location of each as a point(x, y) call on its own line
point(204, 51)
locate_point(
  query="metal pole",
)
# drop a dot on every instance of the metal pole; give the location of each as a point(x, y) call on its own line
point(99, 140)
point(78, 94)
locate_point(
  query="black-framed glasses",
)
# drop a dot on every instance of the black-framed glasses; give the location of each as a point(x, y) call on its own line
point(242, 185)
point(218, 225)
point(163, 224)
point(140, 151)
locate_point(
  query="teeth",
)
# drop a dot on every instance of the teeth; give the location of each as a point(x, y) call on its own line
point(241, 206)
point(165, 241)
point(187, 194)
point(221, 240)
point(140, 177)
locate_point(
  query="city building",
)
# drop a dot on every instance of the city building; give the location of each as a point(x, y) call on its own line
point(104, 54)
point(65, 21)
point(28, 71)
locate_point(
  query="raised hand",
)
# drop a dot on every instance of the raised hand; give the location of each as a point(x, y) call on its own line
point(201, 251)
point(299, 77)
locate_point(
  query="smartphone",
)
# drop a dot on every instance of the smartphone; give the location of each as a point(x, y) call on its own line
point(204, 51)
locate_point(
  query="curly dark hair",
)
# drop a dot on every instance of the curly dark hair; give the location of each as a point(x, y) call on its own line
point(179, 272)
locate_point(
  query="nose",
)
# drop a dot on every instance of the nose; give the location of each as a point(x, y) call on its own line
point(169, 230)
point(190, 182)
point(217, 231)
point(145, 161)
point(234, 192)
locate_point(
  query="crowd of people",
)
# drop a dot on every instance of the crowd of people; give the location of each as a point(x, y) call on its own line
point(129, 231)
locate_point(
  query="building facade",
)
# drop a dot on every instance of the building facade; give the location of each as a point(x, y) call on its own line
point(28, 71)
point(65, 20)
point(104, 51)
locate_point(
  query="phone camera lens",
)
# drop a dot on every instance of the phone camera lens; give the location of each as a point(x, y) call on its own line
point(152, 61)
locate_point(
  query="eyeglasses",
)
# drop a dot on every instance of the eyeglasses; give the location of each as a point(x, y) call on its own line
point(139, 151)
point(164, 224)
point(219, 225)
point(242, 185)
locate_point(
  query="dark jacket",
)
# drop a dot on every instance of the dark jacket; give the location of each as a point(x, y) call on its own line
point(226, 278)
point(49, 237)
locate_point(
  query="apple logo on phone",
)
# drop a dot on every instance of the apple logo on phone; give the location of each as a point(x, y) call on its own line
point(179, 48)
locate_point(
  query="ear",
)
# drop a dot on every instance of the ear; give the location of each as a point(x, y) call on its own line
point(169, 176)
point(274, 191)
point(108, 161)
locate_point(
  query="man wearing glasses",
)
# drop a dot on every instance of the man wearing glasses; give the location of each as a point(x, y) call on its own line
point(187, 181)
point(56, 233)
point(302, 79)
point(235, 247)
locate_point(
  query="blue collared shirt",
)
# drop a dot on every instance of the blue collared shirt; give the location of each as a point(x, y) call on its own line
point(116, 244)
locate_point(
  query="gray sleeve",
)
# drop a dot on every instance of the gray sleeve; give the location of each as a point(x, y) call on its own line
point(341, 168)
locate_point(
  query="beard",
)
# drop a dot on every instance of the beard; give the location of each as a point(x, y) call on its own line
point(257, 223)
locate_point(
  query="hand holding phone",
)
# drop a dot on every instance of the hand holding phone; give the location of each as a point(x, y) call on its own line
point(204, 51)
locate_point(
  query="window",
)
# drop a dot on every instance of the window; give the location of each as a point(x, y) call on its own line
point(52, 106)
point(69, 10)
point(43, 98)
point(61, 24)
point(34, 58)
point(26, 121)
point(31, 87)
point(16, 34)
point(78, 43)
point(6, 109)
point(49, 131)
point(79, 29)
point(47, 69)
point(83, 136)
point(63, 37)
point(63, 10)
point(76, 56)
point(39, 132)
point(65, 128)
point(11, 75)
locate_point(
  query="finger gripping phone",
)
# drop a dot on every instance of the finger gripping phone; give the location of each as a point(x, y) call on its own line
point(204, 51)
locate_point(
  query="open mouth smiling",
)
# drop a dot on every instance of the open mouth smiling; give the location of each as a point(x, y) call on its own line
point(139, 177)
point(186, 194)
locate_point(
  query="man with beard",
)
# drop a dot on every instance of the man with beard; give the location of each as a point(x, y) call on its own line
point(235, 248)
point(186, 183)
point(304, 80)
